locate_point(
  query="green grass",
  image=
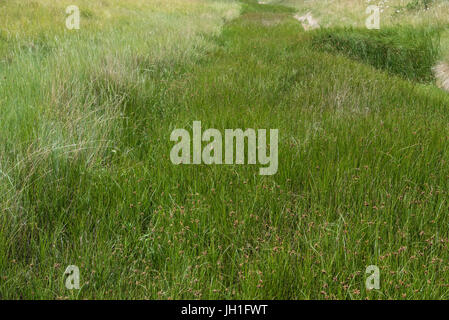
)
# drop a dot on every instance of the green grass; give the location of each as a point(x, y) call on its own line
point(409, 52)
point(86, 177)
point(253, 6)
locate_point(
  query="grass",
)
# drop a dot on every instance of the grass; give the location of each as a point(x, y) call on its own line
point(394, 13)
point(86, 177)
point(345, 13)
point(409, 52)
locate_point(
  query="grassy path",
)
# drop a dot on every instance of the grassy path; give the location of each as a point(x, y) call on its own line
point(362, 180)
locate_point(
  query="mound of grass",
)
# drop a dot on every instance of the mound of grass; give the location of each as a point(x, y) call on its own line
point(405, 51)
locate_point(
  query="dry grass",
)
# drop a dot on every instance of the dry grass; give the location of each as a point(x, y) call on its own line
point(352, 12)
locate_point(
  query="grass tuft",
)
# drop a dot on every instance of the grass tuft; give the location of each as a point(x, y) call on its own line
point(409, 52)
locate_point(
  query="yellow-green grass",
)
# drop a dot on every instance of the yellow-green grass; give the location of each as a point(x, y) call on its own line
point(62, 92)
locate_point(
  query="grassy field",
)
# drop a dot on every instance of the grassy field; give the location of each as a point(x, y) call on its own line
point(86, 177)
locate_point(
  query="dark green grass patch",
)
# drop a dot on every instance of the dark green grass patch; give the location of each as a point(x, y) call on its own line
point(405, 51)
point(254, 6)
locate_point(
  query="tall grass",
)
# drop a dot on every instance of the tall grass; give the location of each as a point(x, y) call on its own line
point(67, 109)
point(406, 51)
point(86, 177)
